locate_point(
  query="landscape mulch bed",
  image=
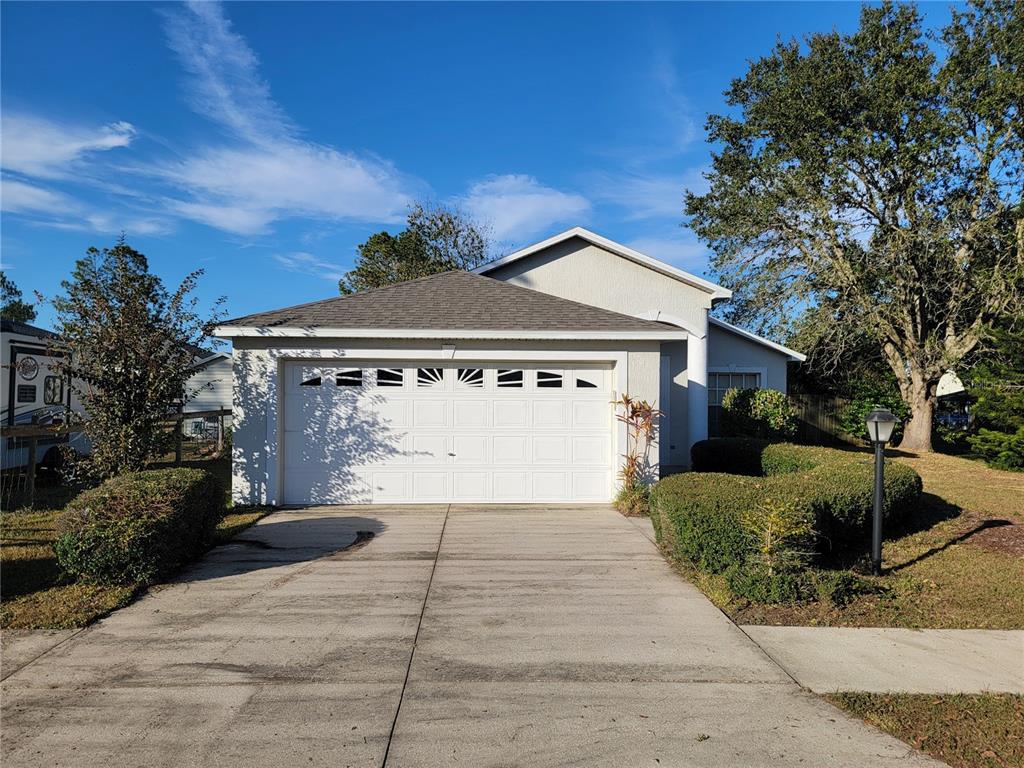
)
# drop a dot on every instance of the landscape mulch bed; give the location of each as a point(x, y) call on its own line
point(1007, 538)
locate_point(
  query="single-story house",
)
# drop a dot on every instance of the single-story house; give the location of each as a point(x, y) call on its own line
point(491, 386)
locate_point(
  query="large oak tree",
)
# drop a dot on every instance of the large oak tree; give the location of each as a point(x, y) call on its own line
point(876, 177)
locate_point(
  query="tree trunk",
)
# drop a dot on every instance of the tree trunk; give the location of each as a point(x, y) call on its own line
point(917, 435)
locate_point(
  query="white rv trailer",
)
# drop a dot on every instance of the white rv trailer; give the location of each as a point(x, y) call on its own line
point(33, 392)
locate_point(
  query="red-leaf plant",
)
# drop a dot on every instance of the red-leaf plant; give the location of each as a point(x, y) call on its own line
point(640, 418)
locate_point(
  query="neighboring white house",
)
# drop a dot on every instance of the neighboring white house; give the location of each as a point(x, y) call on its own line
point(487, 387)
point(209, 389)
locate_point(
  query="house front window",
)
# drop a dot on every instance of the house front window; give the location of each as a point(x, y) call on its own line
point(718, 384)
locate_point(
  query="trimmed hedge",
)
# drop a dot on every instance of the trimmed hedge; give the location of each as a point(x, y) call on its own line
point(141, 526)
point(699, 515)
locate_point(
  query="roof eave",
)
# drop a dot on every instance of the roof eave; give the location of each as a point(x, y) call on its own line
point(233, 331)
point(716, 291)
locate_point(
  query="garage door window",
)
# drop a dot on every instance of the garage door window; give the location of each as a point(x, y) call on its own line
point(588, 379)
point(510, 378)
point(430, 378)
point(350, 377)
point(549, 380)
point(390, 377)
point(473, 378)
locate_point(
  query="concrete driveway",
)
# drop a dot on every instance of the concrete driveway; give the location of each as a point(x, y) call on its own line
point(455, 636)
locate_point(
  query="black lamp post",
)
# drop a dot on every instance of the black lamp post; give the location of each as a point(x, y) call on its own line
point(880, 423)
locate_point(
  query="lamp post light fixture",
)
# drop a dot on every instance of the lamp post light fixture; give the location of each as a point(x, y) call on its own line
point(880, 423)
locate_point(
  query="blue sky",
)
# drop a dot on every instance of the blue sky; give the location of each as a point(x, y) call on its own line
point(262, 142)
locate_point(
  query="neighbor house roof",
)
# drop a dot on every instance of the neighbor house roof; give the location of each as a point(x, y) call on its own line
point(449, 305)
point(24, 329)
point(716, 291)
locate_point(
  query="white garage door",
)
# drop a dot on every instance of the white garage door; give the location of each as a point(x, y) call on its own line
point(419, 433)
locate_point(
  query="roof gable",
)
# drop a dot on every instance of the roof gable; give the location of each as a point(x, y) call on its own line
point(716, 291)
point(449, 302)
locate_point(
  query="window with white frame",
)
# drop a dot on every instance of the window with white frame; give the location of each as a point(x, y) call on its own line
point(720, 382)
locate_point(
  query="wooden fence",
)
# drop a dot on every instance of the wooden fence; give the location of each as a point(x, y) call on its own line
point(818, 419)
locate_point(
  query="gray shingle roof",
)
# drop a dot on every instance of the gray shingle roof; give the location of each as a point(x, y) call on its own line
point(450, 301)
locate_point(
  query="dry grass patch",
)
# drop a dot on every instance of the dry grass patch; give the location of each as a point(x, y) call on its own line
point(964, 730)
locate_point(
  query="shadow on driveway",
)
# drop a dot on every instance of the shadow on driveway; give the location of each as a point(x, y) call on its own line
point(284, 538)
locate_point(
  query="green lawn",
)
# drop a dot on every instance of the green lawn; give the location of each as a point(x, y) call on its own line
point(964, 731)
point(35, 595)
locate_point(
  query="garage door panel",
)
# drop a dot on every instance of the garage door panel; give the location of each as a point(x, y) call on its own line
point(470, 486)
point(446, 439)
point(511, 449)
point(550, 449)
point(511, 413)
point(510, 486)
point(430, 413)
point(549, 486)
point(472, 414)
point(429, 449)
point(430, 486)
point(591, 449)
point(550, 414)
point(589, 414)
point(471, 449)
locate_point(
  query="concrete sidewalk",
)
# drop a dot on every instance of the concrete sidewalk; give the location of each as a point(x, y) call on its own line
point(828, 659)
point(460, 636)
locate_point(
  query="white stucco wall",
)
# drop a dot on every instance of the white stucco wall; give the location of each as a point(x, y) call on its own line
point(577, 270)
point(255, 405)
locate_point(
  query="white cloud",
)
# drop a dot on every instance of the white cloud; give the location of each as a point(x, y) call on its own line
point(267, 171)
point(19, 197)
point(682, 251)
point(60, 211)
point(45, 149)
point(517, 206)
point(309, 264)
point(648, 196)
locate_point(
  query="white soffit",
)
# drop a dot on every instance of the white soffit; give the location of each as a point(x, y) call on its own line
point(792, 354)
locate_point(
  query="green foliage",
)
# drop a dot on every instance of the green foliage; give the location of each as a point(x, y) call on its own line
point(132, 345)
point(140, 526)
point(760, 413)
point(996, 383)
point(435, 240)
point(761, 528)
point(633, 500)
point(838, 588)
point(1001, 450)
point(864, 398)
point(875, 177)
point(12, 307)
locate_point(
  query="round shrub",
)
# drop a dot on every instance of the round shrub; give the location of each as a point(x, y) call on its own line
point(759, 413)
point(705, 516)
point(140, 526)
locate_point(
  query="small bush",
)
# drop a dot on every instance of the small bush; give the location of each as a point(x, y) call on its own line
point(866, 397)
point(1002, 450)
point(140, 526)
point(633, 500)
point(758, 413)
point(763, 526)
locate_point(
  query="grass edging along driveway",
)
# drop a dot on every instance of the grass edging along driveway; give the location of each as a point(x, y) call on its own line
point(36, 595)
point(964, 730)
